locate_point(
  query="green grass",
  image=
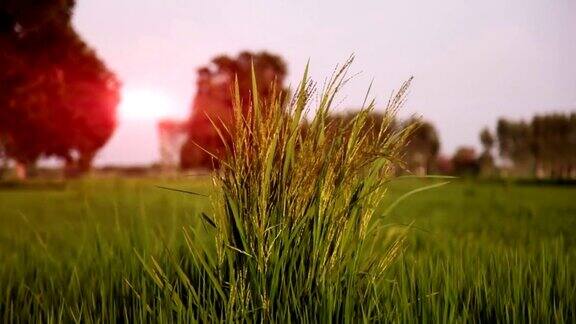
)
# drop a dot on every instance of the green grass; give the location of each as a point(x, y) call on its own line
point(489, 252)
point(476, 251)
point(298, 225)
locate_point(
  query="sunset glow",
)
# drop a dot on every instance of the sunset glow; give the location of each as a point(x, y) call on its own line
point(145, 104)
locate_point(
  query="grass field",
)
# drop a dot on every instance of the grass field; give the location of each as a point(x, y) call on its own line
point(477, 252)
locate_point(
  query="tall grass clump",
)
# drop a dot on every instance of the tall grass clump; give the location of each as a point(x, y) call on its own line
point(295, 228)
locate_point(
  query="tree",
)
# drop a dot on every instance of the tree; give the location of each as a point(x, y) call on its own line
point(374, 122)
point(465, 162)
point(423, 144)
point(487, 139)
point(422, 147)
point(486, 159)
point(3, 159)
point(58, 98)
point(515, 143)
point(212, 108)
point(545, 147)
point(444, 165)
point(554, 142)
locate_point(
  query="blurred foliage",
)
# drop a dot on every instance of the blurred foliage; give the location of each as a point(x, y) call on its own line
point(212, 108)
point(58, 98)
point(465, 162)
point(544, 147)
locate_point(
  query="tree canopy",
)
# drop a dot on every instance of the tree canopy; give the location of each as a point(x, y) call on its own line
point(422, 147)
point(213, 103)
point(465, 162)
point(546, 145)
point(58, 98)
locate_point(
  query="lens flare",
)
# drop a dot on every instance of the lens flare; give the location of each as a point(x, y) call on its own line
point(145, 104)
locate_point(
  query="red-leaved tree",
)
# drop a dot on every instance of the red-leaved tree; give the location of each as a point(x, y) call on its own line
point(212, 109)
point(58, 98)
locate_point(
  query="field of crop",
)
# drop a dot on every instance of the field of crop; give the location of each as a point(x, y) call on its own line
point(475, 251)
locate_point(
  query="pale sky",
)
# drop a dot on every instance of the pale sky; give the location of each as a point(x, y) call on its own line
point(473, 61)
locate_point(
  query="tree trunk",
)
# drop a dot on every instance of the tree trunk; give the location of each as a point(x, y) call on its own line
point(85, 162)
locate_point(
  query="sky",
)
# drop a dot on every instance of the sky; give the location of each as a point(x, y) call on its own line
point(472, 61)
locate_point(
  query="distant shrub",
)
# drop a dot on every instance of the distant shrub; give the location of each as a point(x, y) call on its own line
point(465, 162)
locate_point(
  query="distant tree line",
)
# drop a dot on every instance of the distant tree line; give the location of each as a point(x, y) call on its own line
point(212, 110)
point(422, 148)
point(57, 97)
point(544, 147)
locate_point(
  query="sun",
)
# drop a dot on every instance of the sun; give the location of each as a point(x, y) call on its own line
point(145, 104)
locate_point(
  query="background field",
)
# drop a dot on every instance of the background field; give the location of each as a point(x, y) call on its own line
point(476, 250)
